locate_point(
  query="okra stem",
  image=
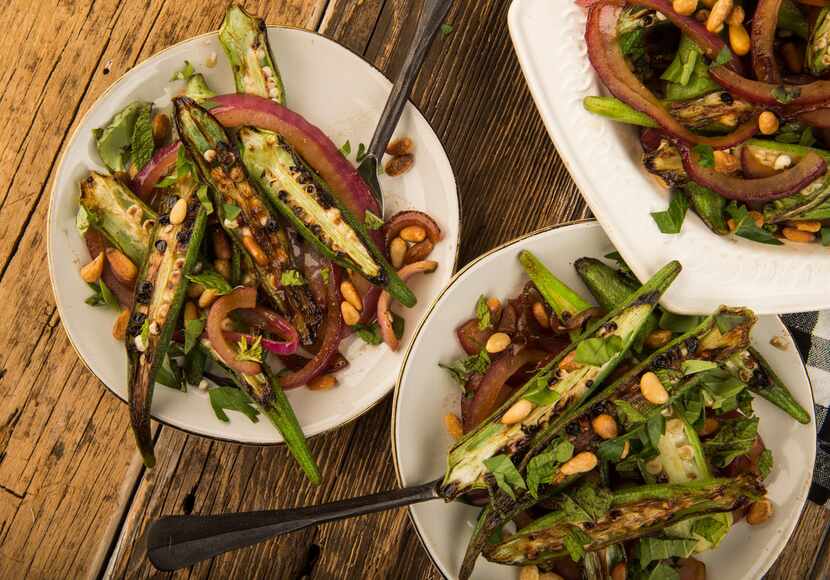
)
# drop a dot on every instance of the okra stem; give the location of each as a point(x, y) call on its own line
point(616, 110)
point(776, 392)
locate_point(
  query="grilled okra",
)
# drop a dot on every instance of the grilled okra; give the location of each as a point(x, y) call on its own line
point(632, 513)
point(245, 216)
point(554, 389)
point(122, 217)
point(159, 294)
point(818, 57)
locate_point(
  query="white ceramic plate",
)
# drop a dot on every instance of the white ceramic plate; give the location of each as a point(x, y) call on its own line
point(342, 94)
point(604, 160)
point(426, 393)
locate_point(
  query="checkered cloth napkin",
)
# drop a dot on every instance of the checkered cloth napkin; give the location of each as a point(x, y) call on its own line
point(811, 331)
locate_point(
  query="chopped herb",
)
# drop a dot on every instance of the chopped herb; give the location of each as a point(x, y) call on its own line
point(185, 72)
point(575, 543)
point(231, 211)
point(653, 549)
point(361, 152)
point(145, 332)
point(446, 29)
point(141, 144)
point(167, 181)
point(596, 501)
point(693, 366)
point(598, 351)
point(632, 43)
point(705, 155)
point(670, 221)
point(735, 438)
point(292, 278)
point(540, 470)
point(628, 414)
point(192, 331)
point(372, 221)
point(232, 399)
point(249, 352)
point(540, 394)
point(765, 463)
point(166, 377)
point(398, 325)
point(785, 95)
point(202, 194)
point(211, 279)
point(662, 571)
point(483, 313)
point(655, 427)
point(461, 369)
point(747, 228)
point(711, 529)
point(678, 323)
point(720, 389)
point(724, 56)
point(505, 473)
point(368, 333)
point(611, 450)
point(563, 451)
point(102, 296)
point(183, 164)
point(346, 148)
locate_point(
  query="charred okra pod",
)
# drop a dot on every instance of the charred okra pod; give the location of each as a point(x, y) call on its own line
point(246, 217)
point(818, 47)
point(159, 294)
point(632, 513)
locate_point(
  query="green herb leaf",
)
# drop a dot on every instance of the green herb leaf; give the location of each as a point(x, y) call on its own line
point(230, 398)
point(192, 331)
point(446, 29)
point(765, 463)
point(705, 155)
point(711, 529)
point(141, 144)
point(596, 501)
point(632, 43)
point(662, 571)
point(166, 377)
point(368, 333)
point(807, 138)
point(598, 351)
point(671, 220)
point(563, 451)
point(628, 414)
point(346, 148)
point(692, 366)
point(202, 194)
point(483, 313)
point(183, 164)
point(735, 438)
point(167, 181)
point(361, 153)
point(102, 296)
point(249, 352)
point(324, 274)
point(372, 221)
point(231, 211)
point(655, 427)
point(724, 56)
point(727, 322)
point(85, 219)
point(211, 279)
point(507, 476)
point(720, 388)
point(540, 394)
point(611, 450)
point(461, 369)
point(575, 543)
point(785, 95)
point(540, 470)
point(184, 73)
point(678, 323)
point(621, 263)
point(747, 228)
point(398, 325)
point(653, 549)
point(292, 278)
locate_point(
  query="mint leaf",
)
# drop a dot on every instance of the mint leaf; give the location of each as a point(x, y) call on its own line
point(507, 476)
point(596, 501)
point(102, 296)
point(705, 155)
point(726, 322)
point(747, 228)
point(361, 153)
point(598, 351)
point(711, 529)
point(292, 278)
point(230, 398)
point(372, 221)
point(735, 438)
point(628, 414)
point(671, 220)
point(211, 279)
point(540, 394)
point(653, 549)
point(368, 333)
point(141, 144)
point(693, 366)
point(540, 470)
point(183, 164)
point(167, 181)
point(575, 543)
point(192, 331)
point(611, 450)
point(346, 148)
point(655, 427)
point(678, 323)
point(483, 313)
point(461, 369)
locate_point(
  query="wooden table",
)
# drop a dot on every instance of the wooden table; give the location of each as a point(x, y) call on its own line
point(74, 497)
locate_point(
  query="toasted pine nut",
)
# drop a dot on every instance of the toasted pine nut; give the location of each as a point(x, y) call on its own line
point(605, 426)
point(796, 235)
point(179, 212)
point(413, 234)
point(725, 162)
point(710, 425)
point(493, 304)
point(737, 16)
point(194, 290)
point(350, 294)
point(253, 248)
point(453, 425)
point(418, 252)
point(221, 245)
point(529, 573)
point(768, 122)
point(190, 312)
point(568, 363)
point(739, 39)
point(399, 165)
point(619, 572)
point(684, 7)
point(655, 466)
point(517, 411)
point(626, 450)
point(122, 266)
point(208, 297)
point(808, 226)
point(350, 314)
point(402, 146)
point(223, 267)
point(759, 512)
point(497, 342)
point(397, 251)
point(717, 16)
point(322, 383)
point(550, 576)
point(161, 129)
point(541, 315)
point(119, 328)
point(652, 389)
point(579, 463)
point(793, 57)
point(93, 269)
point(658, 338)
point(757, 217)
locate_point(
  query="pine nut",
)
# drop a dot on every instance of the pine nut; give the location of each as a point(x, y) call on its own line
point(654, 467)
point(497, 342)
point(402, 146)
point(208, 297)
point(737, 16)
point(717, 16)
point(529, 573)
point(350, 294)
point(190, 312)
point(119, 328)
point(759, 512)
point(710, 425)
point(652, 389)
point(517, 412)
point(418, 252)
point(579, 463)
point(658, 338)
point(453, 425)
point(493, 304)
point(93, 269)
point(605, 426)
point(808, 226)
point(767, 122)
point(725, 162)
point(322, 383)
point(619, 572)
point(194, 290)
point(739, 39)
point(541, 315)
point(223, 267)
point(397, 251)
point(685, 452)
point(399, 165)
point(122, 266)
point(350, 315)
point(179, 212)
point(161, 129)
point(626, 450)
point(413, 234)
point(253, 248)
point(684, 7)
point(221, 245)
point(796, 235)
point(757, 217)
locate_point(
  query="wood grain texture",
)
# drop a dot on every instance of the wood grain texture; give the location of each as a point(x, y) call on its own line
point(74, 499)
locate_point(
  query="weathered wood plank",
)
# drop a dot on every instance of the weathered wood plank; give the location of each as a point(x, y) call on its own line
point(797, 558)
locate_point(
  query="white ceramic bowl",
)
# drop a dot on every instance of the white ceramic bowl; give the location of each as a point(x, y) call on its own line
point(425, 393)
point(342, 94)
point(603, 157)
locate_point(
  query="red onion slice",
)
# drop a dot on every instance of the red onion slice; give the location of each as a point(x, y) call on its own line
point(243, 297)
point(159, 166)
point(385, 301)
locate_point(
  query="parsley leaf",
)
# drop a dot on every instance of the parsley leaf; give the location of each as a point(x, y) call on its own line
point(184, 73)
point(483, 313)
point(705, 155)
point(346, 148)
point(372, 221)
point(598, 351)
point(670, 221)
point(231, 211)
point(461, 369)
point(747, 228)
point(192, 331)
point(507, 476)
point(211, 279)
point(785, 95)
point(233, 399)
point(292, 278)
point(141, 144)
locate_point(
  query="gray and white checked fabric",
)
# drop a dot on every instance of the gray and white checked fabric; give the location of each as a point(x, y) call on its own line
point(811, 331)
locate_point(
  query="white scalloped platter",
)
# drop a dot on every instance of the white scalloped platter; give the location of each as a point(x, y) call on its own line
point(426, 393)
point(343, 95)
point(603, 158)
